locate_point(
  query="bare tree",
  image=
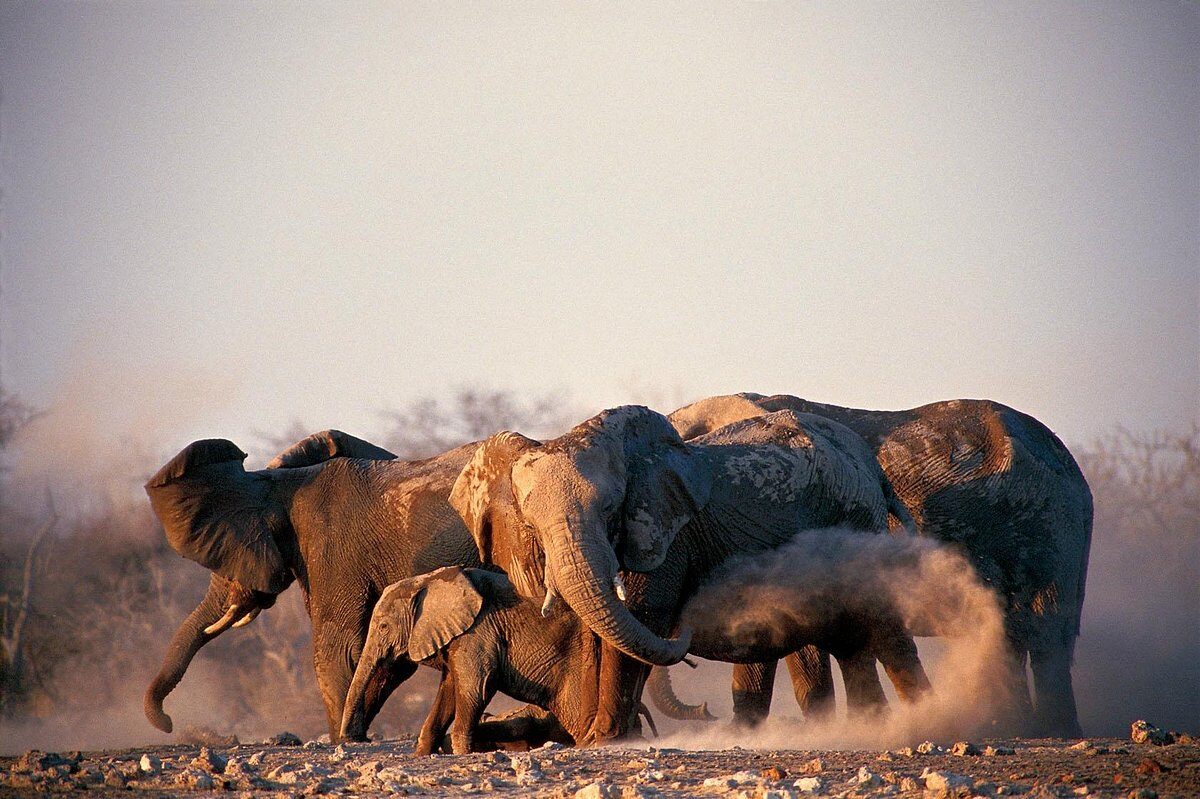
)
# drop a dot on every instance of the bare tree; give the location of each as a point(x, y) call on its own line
point(14, 615)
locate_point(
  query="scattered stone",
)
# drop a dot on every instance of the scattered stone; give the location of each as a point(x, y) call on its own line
point(866, 778)
point(908, 785)
point(812, 785)
point(640, 792)
point(964, 749)
point(115, 779)
point(37, 760)
point(1143, 793)
point(284, 739)
point(730, 780)
point(209, 761)
point(906, 752)
point(1143, 732)
point(885, 757)
point(774, 773)
point(204, 736)
point(256, 759)
point(553, 746)
point(994, 751)
point(150, 764)
point(814, 766)
point(599, 790)
point(1082, 746)
point(944, 783)
point(1150, 766)
point(929, 748)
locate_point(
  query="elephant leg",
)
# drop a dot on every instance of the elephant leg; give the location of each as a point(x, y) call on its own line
point(471, 697)
point(618, 695)
point(898, 654)
point(864, 693)
point(1054, 707)
point(753, 687)
point(335, 669)
point(812, 682)
point(439, 718)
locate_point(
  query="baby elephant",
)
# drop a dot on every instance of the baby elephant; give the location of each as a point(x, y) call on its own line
point(842, 591)
point(486, 638)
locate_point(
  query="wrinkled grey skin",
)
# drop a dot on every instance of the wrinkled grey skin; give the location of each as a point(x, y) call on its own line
point(486, 638)
point(333, 513)
point(992, 481)
point(622, 494)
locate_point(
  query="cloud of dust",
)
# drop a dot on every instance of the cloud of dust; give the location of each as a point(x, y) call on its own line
point(823, 573)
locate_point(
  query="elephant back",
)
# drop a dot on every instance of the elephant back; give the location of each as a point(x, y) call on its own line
point(324, 446)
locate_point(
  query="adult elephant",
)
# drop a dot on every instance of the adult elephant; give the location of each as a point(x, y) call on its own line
point(338, 515)
point(994, 482)
point(623, 520)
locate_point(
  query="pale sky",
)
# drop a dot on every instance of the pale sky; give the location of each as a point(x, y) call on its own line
point(220, 217)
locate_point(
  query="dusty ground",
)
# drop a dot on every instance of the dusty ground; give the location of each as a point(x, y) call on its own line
point(1034, 768)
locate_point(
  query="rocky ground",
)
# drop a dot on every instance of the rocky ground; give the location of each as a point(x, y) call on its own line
point(1152, 764)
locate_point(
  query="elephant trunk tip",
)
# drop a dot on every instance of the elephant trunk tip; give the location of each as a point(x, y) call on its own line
point(152, 707)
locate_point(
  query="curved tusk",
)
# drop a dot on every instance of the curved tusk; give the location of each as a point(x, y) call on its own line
point(249, 617)
point(619, 586)
point(548, 603)
point(222, 624)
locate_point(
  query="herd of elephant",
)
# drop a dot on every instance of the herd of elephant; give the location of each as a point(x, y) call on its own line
point(557, 571)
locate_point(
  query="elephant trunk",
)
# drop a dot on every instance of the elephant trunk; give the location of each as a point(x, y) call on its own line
point(584, 569)
point(186, 642)
point(662, 693)
point(375, 678)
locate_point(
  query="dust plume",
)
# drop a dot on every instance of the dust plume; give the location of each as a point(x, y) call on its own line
point(931, 589)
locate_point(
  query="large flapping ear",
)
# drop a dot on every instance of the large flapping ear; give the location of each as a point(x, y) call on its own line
point(443, 610)
point(483, 481)
point(220, 516)
point(664, 492)
point(325, 445)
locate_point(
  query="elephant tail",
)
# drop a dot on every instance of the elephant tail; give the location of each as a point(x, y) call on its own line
point(662, 693)
point(899, 520)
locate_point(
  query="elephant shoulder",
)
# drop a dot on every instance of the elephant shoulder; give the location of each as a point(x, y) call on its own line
point(324, 446)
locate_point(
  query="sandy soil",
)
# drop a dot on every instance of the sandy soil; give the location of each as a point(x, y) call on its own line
point(1034, 768)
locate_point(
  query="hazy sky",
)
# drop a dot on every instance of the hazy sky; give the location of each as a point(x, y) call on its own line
point(219, 217)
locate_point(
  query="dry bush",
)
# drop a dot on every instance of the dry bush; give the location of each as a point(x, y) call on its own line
point(1138, 654)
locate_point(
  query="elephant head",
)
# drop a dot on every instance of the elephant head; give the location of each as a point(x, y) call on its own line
point(236, 524)
point(413, 620)
point(564, 516)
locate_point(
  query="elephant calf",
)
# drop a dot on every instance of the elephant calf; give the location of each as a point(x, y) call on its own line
point(834, 595)
point(487, 638)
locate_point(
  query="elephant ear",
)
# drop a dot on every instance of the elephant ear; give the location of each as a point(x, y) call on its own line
point(443, 610)
point(484, 481)
point(326, 445)
point(216, 513)
point(665, 491)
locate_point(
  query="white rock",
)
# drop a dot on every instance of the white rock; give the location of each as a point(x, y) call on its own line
point(599, 790)
point(150, 764)
point(812, 785)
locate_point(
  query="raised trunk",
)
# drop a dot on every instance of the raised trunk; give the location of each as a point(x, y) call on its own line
point(662, 693)
point(186, 642)
point(584, 568)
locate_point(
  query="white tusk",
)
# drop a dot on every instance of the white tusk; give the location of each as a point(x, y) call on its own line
point(222, 624)
point(548, 603)
point(249, 617)
point(619, 587)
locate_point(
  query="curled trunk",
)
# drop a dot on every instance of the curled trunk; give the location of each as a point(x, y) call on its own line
point(186, 642)
point(662, 693)
point(584, 567)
